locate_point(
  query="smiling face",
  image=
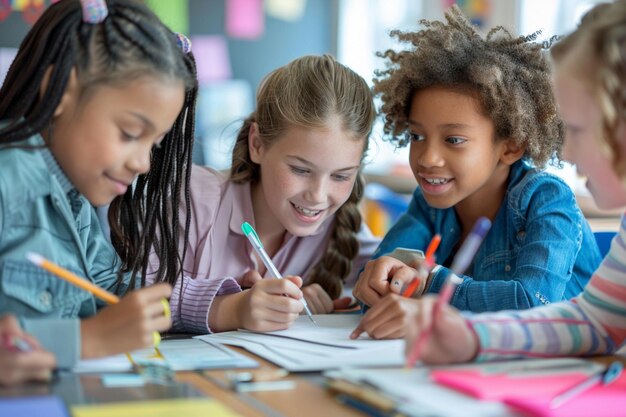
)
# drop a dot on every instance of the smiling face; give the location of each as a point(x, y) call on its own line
point(453, 153)
point(306, 175)
point(580, 113)
point(104, 142)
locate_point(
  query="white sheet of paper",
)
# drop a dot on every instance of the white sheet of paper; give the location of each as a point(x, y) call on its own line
point(306, 347)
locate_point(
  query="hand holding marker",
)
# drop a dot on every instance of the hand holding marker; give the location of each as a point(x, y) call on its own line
point(255, 241)
point(425, 267)
point(461, 261)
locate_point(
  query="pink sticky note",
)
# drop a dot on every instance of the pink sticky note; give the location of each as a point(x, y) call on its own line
point(244, 18)
point(600, 401)
point(532, 394)
point(501, 386)
point(212, 59)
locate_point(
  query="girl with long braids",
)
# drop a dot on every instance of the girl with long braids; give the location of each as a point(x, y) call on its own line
point(295, 177)
point(97, 108)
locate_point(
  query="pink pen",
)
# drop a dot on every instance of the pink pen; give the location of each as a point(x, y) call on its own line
point(461, 261)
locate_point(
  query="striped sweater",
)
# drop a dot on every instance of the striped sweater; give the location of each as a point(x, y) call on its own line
point(593, 323)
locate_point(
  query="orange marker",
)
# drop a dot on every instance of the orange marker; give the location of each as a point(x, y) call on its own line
point(428, 263)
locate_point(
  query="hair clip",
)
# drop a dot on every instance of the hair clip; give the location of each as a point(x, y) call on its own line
point(183, 42)
point(94, 11)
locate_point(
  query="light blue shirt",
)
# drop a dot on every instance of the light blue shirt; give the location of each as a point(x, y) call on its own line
point(540, 248)
point(41, 212)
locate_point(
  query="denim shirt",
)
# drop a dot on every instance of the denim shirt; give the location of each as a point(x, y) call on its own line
point(41, 212)
point(531, 256)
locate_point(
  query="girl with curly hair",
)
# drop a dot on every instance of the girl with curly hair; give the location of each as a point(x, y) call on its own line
point(481, 121)
point(590, 86)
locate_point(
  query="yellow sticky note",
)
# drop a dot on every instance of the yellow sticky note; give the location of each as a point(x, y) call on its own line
point(188, 407)
point(20, 5)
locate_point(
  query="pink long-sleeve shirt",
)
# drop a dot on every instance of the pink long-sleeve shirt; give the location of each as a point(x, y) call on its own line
point(218, 253)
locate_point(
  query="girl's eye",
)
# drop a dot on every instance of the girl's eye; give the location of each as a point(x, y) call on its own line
point(342, 177)
point(128, 136)
point(415, 137)
point(299, 171)
point(455, 140)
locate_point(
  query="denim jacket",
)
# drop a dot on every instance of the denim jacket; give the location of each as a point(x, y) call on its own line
point(531, 256)
point(41, 212)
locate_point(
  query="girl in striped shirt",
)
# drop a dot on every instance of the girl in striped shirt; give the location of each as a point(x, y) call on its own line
point(590, 85)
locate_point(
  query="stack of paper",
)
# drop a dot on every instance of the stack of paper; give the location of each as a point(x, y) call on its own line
point(307, 347)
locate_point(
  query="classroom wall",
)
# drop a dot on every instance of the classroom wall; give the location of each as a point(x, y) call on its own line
point(281, 41)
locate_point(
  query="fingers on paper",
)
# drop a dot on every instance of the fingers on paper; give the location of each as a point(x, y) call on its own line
point(318, 300)
point(388, 319)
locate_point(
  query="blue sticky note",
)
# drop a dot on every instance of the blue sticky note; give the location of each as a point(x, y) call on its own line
point(49, 406)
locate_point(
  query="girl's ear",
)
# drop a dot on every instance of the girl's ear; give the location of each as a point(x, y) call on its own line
point(70, 89)
point(255, 145)
point(511, 152)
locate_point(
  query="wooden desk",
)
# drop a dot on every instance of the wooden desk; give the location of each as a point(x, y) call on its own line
point(308, 399)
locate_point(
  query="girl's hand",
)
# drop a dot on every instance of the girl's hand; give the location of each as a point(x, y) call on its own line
point(17, 367)
point(250, 278)
point(452, 340)
point(320, 302)
point(388, 319)
point(271, 304)
point(383, 276)
point(128, 325)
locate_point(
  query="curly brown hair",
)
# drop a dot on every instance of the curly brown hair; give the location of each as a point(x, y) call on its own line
point(600, 62)
point(308, 92)
point(510, 74)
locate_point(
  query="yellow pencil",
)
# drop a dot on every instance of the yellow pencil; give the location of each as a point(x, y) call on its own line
point(72, 278)
point(86, 285)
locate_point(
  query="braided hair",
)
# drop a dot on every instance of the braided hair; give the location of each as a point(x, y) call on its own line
point(131, 42)
point(307, 93)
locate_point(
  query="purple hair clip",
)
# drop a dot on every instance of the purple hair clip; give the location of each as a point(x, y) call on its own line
point(94, 11)
point(183, 42)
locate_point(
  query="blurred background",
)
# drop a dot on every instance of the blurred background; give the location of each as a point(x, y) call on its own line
point(237, 42)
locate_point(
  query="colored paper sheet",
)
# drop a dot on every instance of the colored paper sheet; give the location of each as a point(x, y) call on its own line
point(245, 19)
point(188, 407)
point(175, 14)
point(48, 406)
point(532, 394)
point(212, 59)
point(289, 10)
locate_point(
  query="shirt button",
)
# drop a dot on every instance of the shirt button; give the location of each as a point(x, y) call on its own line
point(521, 234)
point(507, 268)
point(45, 298)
